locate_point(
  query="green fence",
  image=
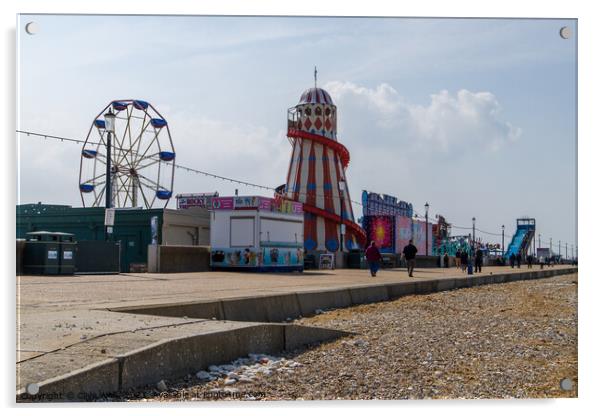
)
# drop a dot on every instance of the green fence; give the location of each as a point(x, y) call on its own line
point(132, 226)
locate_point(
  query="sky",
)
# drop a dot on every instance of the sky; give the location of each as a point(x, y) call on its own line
point(477, 117)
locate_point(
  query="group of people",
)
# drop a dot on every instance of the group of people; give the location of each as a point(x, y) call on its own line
point(516, 259)
point(462, 260)
point(373, 257)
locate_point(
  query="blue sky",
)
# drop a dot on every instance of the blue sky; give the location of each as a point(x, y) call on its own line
point(477, 117)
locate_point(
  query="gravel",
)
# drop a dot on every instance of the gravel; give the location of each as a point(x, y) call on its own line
point(512, 340)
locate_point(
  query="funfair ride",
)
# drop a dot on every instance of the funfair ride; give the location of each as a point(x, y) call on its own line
point(316, 175)
point(141, 159)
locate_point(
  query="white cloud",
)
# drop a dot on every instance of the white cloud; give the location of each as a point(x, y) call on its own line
point(462, 119)
point(247, 152)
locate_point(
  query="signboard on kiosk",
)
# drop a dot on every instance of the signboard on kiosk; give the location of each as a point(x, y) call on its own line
point(203, 200)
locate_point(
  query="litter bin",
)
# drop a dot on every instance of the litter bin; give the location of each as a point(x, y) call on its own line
point(68, 252)
point(44, 252)
point(354, 259)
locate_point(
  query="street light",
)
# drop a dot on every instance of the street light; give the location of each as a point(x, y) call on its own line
point(341, 190)
point(110, 129)
point(503, 228)
point(426, 216)
point(572, 253)
point(473, 232)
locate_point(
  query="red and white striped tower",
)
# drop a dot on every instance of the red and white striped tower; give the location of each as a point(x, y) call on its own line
point(317, 172)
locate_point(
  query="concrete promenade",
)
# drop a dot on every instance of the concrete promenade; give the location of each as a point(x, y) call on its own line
point(66, 323)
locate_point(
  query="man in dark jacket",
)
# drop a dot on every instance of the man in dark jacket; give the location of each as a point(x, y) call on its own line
point(529, 261)
point(409, 252)
point(478, 262)
point(373, 257)
point(512, 259)
point(464, 260)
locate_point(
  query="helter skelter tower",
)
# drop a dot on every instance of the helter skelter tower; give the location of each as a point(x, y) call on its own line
point(316, 175)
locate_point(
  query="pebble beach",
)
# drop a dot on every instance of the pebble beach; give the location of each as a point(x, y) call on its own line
point(511, 340)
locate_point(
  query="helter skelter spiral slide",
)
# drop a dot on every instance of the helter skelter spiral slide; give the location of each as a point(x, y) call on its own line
point(316, 175)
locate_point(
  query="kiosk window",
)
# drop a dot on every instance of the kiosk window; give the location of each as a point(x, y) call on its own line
point(242, 232)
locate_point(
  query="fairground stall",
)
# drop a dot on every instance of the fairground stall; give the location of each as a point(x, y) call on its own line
point(256, 233)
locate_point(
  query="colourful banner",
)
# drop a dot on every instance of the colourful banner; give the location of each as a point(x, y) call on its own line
point(268, 256)
point(222, 203)
point(257, 202)
point(407, 229)
point(245, 202)
point(285, 206)
point(381, 230)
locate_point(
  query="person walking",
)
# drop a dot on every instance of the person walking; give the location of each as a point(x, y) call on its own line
point(409, 253)
point(446, 261)
point(464, 260)
point(458, 258)
point(512, 260)
point(478, 261)
point(373, 257)
point(518, 259)
point(529, 261)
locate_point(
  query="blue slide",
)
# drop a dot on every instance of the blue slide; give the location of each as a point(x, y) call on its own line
point(525, 230)
point(517, 242)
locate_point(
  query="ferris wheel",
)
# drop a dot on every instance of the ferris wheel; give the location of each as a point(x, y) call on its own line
point(141, 162)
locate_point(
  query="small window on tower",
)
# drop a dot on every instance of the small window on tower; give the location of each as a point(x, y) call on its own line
point(318, 111)
point(327, 111)
point(307, 111)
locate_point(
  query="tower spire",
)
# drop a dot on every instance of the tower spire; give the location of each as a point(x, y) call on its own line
point(316, 76)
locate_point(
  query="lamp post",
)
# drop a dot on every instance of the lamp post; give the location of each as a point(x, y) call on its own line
point(559, 252)
point(426, 216)
point(341, 190)
point(503, 228)
point(473, 233)
point(572, 253)
point(110, 129)
point(566, 250)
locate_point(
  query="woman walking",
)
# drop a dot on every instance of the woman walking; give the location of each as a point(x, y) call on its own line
point(373, 257)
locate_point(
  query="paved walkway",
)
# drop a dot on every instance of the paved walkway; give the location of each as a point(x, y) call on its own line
point(59, 312)
point(54, 311)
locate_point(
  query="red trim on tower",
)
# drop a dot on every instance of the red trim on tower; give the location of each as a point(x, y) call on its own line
point(355, 228)
point(339, 149)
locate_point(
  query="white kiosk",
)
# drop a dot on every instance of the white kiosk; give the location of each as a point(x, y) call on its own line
point(256, 233)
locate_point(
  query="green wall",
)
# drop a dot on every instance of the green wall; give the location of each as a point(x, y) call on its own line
point(132, 226)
